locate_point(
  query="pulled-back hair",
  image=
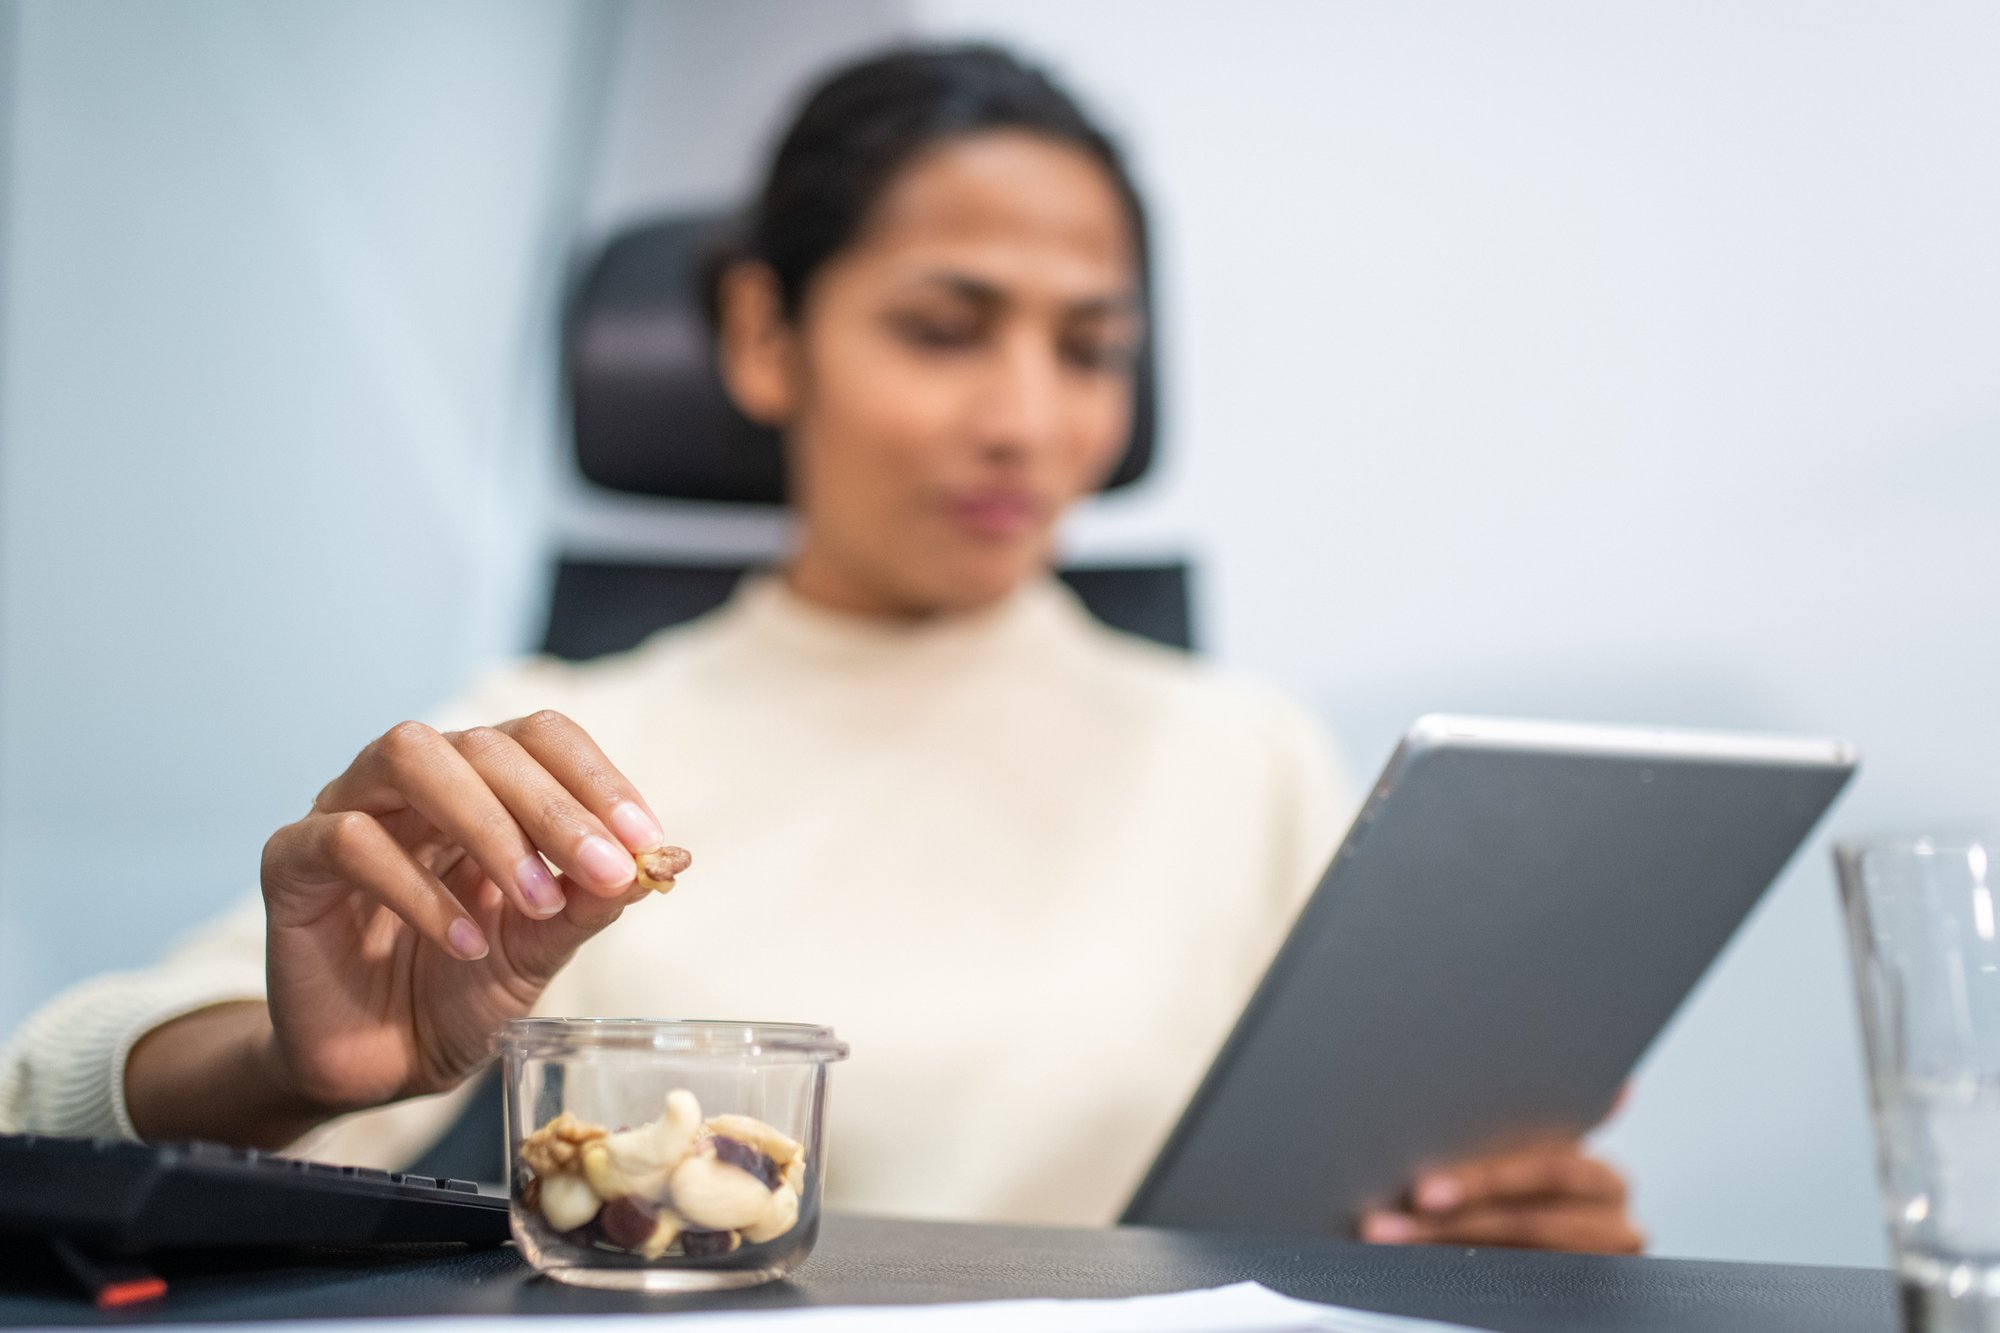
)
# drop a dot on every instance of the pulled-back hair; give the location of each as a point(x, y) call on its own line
point(868, 120)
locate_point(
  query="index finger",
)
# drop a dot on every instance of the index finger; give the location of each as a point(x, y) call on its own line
point(1541, 1171)
point(573, 759)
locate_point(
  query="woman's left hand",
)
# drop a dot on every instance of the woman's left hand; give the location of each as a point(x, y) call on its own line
point(1551, 1196)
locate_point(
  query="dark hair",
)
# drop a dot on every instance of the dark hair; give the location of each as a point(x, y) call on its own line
point(867, 120)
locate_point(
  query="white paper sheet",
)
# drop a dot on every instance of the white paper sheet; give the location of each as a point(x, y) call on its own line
point(1242, 1308)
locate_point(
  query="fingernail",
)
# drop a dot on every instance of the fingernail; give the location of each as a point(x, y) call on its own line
point(1439, 1194)
point(637, 829)
point(608, 865)
point(1388, 1229)
point(466, 940)
point(538, 886)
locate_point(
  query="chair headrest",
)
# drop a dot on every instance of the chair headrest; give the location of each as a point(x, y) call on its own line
point(647, 408)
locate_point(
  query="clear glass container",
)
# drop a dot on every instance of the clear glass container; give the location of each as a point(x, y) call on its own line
point(647, 1155)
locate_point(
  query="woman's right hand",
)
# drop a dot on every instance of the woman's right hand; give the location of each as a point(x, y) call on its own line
point(410, 914)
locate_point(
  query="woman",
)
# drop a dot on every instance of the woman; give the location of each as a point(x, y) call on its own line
point(1030, 868)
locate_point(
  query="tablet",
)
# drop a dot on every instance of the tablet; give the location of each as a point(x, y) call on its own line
point(1515, 914)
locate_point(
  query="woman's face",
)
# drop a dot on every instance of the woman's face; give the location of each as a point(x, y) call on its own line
point(957, 377)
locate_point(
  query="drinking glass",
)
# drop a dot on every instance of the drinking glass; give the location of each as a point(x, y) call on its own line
point(1921, 922)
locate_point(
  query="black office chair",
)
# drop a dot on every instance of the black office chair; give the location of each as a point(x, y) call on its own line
point(650, 417)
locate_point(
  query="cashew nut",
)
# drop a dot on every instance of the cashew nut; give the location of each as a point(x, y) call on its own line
point(682, 1116)
point(716, 1196)
point(780, 1215)
point(568, 1201)
point(604, 1177)
point(639, 1161)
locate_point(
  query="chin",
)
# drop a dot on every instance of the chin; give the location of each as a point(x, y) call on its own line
point(977, 581)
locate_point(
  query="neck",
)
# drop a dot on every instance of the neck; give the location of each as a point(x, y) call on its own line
point(816, 578)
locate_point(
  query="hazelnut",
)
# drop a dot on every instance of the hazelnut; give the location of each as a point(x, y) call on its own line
point(567, 1201)
point(627, 1223)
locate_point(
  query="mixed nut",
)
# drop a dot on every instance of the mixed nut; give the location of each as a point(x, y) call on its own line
point(658, 867)
point(678, 1185)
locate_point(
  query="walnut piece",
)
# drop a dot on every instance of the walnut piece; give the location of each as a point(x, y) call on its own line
point(558, 1145)
point(658, 867)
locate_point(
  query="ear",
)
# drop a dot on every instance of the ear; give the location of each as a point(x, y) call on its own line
point(757, 344)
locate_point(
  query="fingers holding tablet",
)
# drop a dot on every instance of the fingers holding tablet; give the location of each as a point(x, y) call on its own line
point(1547, 1196)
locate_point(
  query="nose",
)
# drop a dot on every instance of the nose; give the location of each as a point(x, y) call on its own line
point(1018, 413)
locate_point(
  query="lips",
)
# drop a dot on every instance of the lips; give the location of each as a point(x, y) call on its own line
point(996, 515)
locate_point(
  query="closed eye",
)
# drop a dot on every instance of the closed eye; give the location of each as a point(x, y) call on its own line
point(1114, 356)
point(933, 334)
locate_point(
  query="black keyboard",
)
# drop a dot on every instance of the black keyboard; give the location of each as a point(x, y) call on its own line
point(126, 1198)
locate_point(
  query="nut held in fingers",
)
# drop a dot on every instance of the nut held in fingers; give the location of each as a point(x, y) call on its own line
point(658, 867)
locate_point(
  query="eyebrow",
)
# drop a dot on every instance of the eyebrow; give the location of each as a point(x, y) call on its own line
point(986, 294)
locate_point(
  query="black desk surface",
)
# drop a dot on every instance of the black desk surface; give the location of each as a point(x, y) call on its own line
point(863, 1261)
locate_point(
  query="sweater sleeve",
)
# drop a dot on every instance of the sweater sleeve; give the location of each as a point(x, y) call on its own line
point(63, 1072)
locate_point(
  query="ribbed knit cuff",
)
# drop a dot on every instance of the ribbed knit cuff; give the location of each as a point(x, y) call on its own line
point(64, 1070)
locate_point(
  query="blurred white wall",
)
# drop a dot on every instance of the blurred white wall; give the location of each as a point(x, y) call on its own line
point(1623, 362)
point(1633, 361)
point(275, 411)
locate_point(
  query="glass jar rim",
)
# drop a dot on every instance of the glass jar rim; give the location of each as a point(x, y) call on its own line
point(671, 1036)
point(1901, 842)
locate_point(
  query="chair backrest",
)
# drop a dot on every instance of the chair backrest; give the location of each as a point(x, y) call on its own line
point(607, 606)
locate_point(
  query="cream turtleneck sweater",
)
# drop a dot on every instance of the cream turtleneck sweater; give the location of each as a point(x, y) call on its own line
point(1028, 867)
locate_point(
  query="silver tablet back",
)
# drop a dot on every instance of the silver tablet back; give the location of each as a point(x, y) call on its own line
point(1513, 917)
